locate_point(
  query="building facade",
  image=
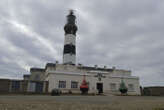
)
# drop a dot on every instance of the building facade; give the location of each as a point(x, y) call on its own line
point(68, 76)
point(22, 86)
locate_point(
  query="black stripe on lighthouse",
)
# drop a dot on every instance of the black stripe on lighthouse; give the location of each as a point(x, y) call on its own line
point(69, 49)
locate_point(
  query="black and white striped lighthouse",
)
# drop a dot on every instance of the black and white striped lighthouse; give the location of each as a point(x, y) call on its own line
point(69, 53)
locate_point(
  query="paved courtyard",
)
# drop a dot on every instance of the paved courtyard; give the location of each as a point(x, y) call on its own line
point(35, 102)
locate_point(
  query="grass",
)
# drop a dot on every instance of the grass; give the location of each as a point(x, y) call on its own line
point(75, 106)
point(91, 103)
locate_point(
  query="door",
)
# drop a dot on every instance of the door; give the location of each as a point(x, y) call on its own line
point(39, 87)
point(100, 87)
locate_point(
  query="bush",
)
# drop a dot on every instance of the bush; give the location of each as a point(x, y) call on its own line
point(70, 92)
point(123, 90)
point(56, 92)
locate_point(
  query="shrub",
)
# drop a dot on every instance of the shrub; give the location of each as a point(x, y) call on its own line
point(123, 89)
point(70, 92)
point(56, 92)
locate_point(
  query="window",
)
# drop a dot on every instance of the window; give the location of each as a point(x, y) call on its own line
point(74, 84)
point(113, 86)
point(130, 87)
point(39, 87)
point(62, 84)
point(15, 85)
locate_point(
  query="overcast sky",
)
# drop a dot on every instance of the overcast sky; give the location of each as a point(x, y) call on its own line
point(127, 34)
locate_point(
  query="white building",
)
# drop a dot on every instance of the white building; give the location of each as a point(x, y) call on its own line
point(68, 76)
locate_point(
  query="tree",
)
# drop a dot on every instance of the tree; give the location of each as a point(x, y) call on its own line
point(123, 89)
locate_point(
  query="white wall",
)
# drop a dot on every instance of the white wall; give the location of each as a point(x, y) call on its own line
point(55, 78)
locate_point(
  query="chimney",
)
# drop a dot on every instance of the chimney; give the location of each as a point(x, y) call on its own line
point(113, 67)
point(96, 66)
point(57, 62)
point(79, 64)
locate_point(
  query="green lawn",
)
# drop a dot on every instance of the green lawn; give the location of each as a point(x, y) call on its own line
point(81, 103)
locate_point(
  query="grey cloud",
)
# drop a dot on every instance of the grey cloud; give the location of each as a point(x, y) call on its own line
point(126, 34)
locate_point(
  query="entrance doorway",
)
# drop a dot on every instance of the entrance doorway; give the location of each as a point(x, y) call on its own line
point(100, 87)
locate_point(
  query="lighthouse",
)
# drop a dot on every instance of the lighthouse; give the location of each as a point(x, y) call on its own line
point(70, 28)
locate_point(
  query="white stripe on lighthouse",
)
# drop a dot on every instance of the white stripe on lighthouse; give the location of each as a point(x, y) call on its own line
point(68, 58)
point(70, 39)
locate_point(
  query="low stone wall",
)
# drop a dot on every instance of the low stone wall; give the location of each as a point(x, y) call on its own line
point(153, 91)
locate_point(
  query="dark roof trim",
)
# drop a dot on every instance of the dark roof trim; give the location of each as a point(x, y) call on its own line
point(50, 65)
point(93, 68)
point(155, 87)
point(37, 69)
point(26, 75)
